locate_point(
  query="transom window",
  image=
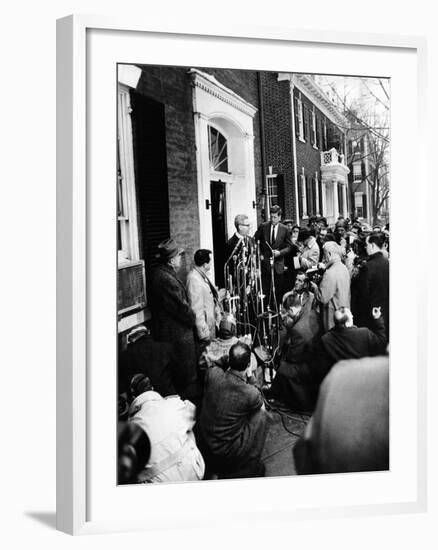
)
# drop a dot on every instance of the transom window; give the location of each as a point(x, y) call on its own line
point(218, 150)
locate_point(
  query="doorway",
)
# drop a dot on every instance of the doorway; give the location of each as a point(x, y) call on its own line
point(219, 229)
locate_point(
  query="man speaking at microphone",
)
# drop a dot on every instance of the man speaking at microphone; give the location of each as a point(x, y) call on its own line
point(274, 245)
point(240, 237)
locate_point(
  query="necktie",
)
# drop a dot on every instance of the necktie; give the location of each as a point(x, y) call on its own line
point(273, 234)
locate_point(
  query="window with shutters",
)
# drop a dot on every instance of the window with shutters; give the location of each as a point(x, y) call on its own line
point(316, 197)
point(276, 191)
point(303, 196)
point(300, 118)
point(313, 127)
point(309, 194)
point(306, 122)
point(357, 172)
point(127, 234)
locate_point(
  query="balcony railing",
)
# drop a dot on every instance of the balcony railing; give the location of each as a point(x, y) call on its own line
point(331, 157)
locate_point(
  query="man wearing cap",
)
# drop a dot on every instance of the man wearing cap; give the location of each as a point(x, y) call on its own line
point(173, 319)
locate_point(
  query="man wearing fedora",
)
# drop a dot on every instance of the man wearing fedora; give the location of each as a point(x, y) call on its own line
point(173, 319)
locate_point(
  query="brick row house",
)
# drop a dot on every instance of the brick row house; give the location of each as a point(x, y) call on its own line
point(306, 144)
point(197, 146)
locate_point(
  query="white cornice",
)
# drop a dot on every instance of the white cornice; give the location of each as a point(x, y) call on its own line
point(211, 85)
point(317, 96)
point(129, 75)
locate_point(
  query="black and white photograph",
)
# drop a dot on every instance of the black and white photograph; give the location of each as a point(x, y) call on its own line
point(253, 250)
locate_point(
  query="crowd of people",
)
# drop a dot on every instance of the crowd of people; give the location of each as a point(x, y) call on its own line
point(192, 400)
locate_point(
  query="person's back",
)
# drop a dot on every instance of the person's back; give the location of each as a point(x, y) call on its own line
point(168, 422)
point(353, 342)
point(226, 412)
point(350, 427)
point(232, 423)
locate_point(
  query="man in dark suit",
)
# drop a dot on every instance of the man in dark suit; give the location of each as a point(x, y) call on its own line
point(238, 241)
point(173, 319)
point(274, 245)
point(373, 283)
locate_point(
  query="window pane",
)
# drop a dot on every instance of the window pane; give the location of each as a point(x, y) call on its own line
point(218, 150)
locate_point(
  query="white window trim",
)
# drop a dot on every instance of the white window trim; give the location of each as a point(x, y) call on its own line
point(300, 120)
point(304, 195)
point(318, 213)
point(315, 139)
point(128, 223)
point(359, 174)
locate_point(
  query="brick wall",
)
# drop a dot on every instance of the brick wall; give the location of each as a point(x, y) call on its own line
point(278, 135)
point(171, 86)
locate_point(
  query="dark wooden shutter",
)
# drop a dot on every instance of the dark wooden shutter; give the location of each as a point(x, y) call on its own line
point(300, 197)
point(297, 118)
point(364, 205)
point(340, 199)
point(312, 131)
point(324, 135)
point(318, 133)
point(150, 160)
point(309, 195)
point(314, 205)
point(306, 121)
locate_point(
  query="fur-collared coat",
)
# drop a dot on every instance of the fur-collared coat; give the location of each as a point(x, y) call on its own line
point(174, 321)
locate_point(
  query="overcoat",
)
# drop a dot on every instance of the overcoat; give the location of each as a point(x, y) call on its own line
point(203, 303)
point(373, 290)
point(173, 320)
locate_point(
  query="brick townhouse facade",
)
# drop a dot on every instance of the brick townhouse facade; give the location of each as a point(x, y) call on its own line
point(305, 145)
point(189, 160)
point(197, 146)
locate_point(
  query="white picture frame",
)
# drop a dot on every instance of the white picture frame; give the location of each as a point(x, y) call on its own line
point(79, 38)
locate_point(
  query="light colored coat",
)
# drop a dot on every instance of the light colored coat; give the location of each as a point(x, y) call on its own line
point(310, 255)
point(169, 424)
point(333, 292)
point(203, 305)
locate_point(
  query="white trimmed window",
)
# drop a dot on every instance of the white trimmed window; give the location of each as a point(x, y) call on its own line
point(127, 234)
point(357, 172)
point(303, 195)
point(300, 119)
point(314, 143)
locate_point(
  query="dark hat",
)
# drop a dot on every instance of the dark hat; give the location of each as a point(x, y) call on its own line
point(168, 249)
point(323, 220)
point(303, 235)
point(287, 221)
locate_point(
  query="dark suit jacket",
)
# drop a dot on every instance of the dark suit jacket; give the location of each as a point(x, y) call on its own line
point(282, 244)
point(231, 245)
point(373, 290)
point(230, 421)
